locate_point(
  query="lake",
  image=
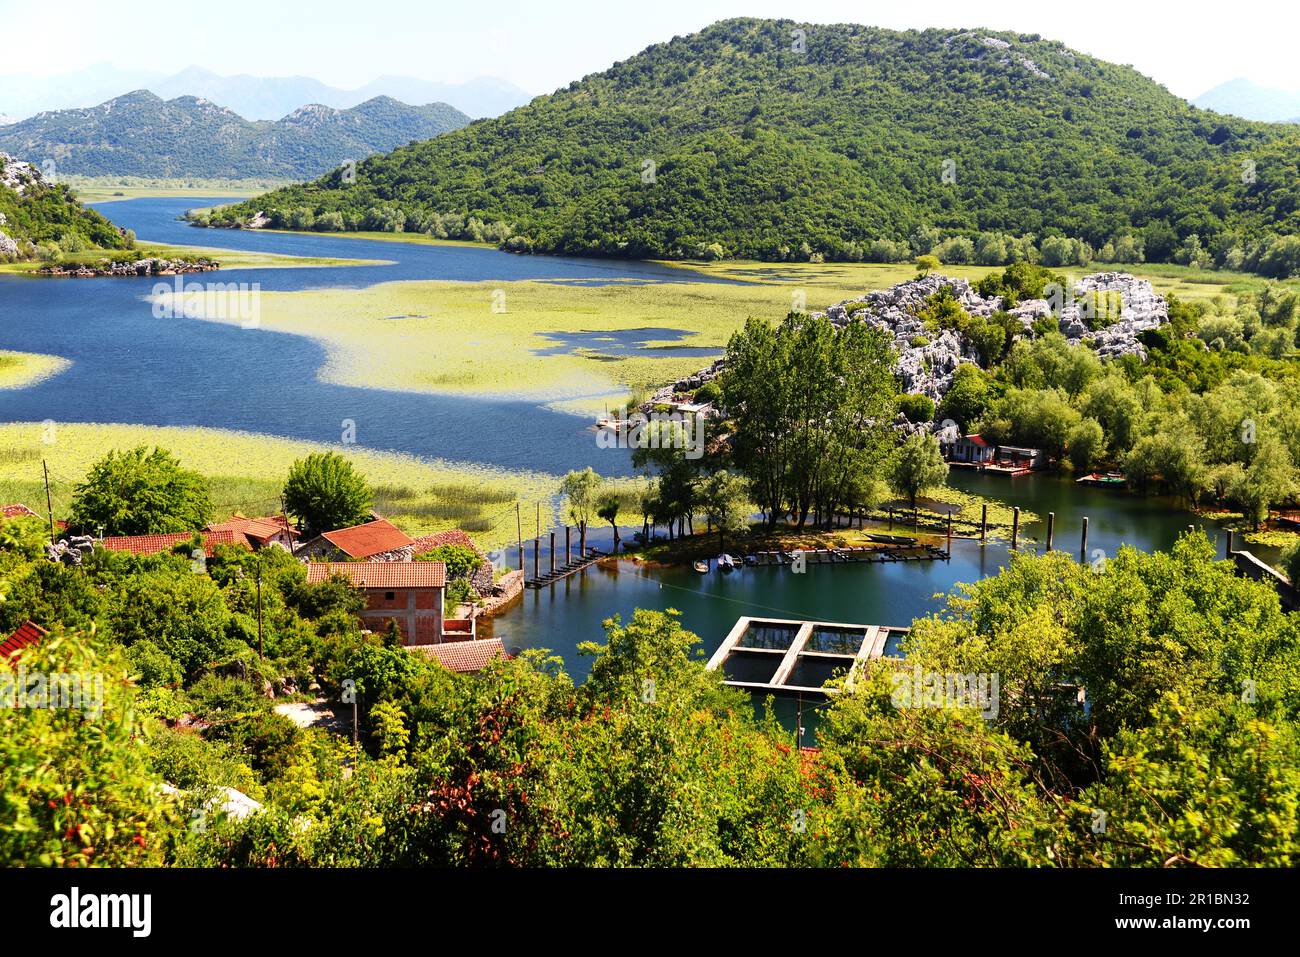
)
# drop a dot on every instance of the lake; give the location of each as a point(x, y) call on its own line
point(129, 366)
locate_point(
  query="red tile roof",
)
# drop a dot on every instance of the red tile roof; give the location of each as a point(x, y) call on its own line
point(977, 439)
point(28, 634)
point(153, 544)
point(427, 543)
point(385, 575)
point(362, 541)
point(464, 656)
point(259, 529)
point(17, 511)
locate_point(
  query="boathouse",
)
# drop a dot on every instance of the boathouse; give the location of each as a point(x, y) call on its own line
point(971, 449)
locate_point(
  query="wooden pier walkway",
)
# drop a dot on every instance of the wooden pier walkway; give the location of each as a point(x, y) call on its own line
point(849, 556)
point(564, 571)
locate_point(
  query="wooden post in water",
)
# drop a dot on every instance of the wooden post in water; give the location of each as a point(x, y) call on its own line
point(1083, 544)
point(984, 521)
point(566, 545)
point(519, 533)
point(950, 532)
point(1015, 527)
point(537, 558)
point(552, 551)
point(1051, 529)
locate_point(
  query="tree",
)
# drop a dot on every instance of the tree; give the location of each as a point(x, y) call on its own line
point(607, 508)
point(918, 465)
point(582, 490)
point(1085, 444)
point(725, 498)
point(1269, 478)
point(926, 265)
point(141, 492)
point(324, 492)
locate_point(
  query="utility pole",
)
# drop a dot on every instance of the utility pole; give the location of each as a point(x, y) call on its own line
point(259, 609)
point(49, 505)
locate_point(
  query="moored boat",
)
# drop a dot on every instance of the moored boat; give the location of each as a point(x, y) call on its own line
point(701, 566)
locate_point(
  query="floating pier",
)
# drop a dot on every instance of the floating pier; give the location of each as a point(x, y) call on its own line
point(787, 656)
point(564, 571)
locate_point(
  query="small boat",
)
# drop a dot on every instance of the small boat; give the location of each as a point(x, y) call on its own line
point(701, 566)
point(726, 562)
point(1104, 480)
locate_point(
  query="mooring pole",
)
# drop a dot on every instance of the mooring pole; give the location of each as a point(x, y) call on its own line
point(1083, 544)
point(950, 532)
point(1015, 527)
point(984, 521)
point(552, 551)
point(567, 559)
point(537, 558)
point(1051, 529)
point(519, 533)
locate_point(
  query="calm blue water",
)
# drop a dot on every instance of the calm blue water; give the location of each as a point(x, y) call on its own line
point(131, 367)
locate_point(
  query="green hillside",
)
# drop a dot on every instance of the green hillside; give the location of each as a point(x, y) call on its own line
point(141, 134)
point(35, 212)
point(773, 153)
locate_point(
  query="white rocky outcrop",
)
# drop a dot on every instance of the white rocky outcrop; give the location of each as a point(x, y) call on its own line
point(17, 175)
point(927, 359)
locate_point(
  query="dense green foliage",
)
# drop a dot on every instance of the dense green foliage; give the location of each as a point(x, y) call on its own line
point(141, 134)
point(1207, 414)
point(324, 492)
point(141, 492)
point(864, 144)
point(45, 219)
point(810, 403)
point(1182, 748)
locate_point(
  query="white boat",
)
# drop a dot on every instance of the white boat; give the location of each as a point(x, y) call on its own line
point(726, 562)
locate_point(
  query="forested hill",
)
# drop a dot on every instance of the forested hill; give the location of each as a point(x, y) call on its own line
point(35, 213)
point(866, 135)
point(141, 134)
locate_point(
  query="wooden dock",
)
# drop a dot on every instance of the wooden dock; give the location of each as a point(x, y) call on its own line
point(849, 556)
point(578, 564)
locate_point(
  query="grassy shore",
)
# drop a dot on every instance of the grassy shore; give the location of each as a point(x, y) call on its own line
point(228, 258)
point(21, 369)
point(108, 189)
point(246, 472)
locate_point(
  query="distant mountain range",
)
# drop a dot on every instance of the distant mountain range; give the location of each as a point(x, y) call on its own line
point(252, 97)
point(1251, 101)
point(141, 134)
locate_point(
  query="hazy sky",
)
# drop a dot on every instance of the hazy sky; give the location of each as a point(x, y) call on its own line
point(1189, 46)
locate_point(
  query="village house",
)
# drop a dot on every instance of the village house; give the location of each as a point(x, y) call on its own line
point(28, 634)
point(377, 541)
point(261, 532)
point(465, 656)
point(410, 594)
point(154, 544)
